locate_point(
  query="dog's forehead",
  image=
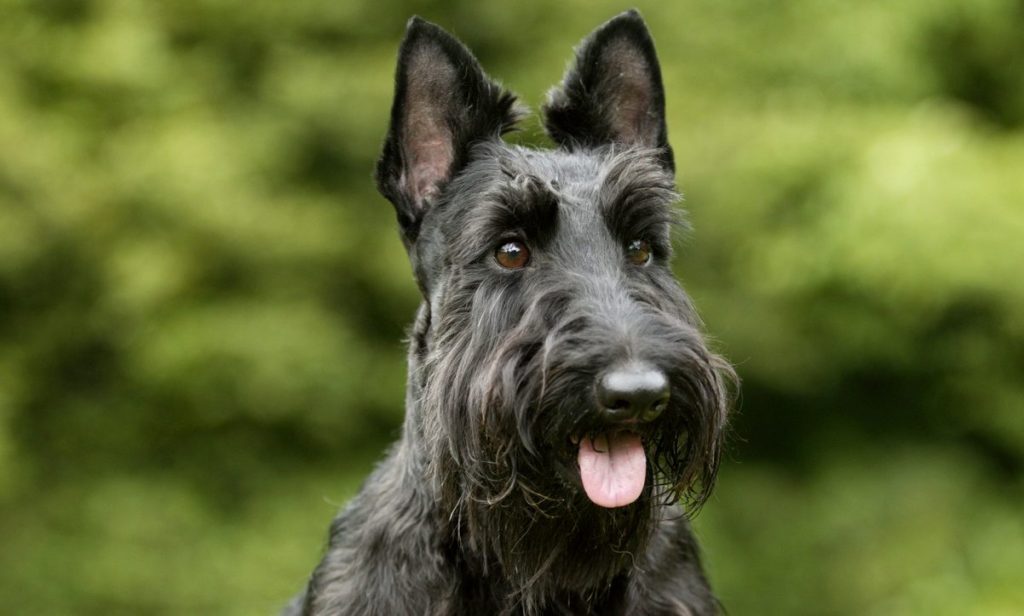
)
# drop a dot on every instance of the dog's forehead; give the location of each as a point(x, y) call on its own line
point(575, 178)
point(574, 174)
point(501, 183)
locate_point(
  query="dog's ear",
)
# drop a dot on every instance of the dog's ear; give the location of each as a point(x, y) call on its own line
point(613, 92)
point(443, 104)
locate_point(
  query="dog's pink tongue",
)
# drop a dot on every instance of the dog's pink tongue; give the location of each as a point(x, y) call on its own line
point(613, 468)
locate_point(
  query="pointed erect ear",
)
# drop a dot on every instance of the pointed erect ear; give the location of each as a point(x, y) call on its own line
point(444, 103)
point(613, 91)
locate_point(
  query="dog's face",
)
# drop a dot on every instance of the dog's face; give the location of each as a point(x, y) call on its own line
point(559, 373)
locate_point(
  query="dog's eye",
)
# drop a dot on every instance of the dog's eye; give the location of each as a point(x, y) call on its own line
point(512, 254)
point(638, 252)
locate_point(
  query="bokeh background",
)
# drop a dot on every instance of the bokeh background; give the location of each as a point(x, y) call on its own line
point(203, 299)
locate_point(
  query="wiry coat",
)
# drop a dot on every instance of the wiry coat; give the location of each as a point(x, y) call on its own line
point(479, 509)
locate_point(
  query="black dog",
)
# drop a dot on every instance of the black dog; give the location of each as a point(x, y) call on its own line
point(561, 399)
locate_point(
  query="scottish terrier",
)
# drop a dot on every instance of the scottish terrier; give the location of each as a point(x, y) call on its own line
point(564, 414)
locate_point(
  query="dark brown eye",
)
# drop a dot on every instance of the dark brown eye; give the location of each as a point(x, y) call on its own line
point(638, 252)
point(512, 254)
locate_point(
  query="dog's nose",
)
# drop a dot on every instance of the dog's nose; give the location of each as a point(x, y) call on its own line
point(633, 392)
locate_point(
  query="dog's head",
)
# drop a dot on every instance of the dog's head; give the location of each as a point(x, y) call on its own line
point(559, 377)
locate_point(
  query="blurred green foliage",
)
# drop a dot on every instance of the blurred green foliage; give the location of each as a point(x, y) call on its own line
point(202, 298)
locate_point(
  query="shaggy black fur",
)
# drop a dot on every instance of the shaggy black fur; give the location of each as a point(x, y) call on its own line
point(479, 508)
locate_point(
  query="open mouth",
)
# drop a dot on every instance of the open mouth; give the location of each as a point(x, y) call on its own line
point(613, 467)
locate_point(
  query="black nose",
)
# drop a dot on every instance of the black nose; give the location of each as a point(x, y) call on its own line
point(633, 392)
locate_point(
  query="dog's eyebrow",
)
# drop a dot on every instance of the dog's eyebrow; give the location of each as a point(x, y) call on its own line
point(527, 202)
point(638, 193)
point(523, 204)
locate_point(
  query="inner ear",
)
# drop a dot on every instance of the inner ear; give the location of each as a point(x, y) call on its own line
point(630, 103)
point(427, 143)
point(613, 92)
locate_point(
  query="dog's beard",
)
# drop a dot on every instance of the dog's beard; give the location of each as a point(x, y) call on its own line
point(513, 418)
